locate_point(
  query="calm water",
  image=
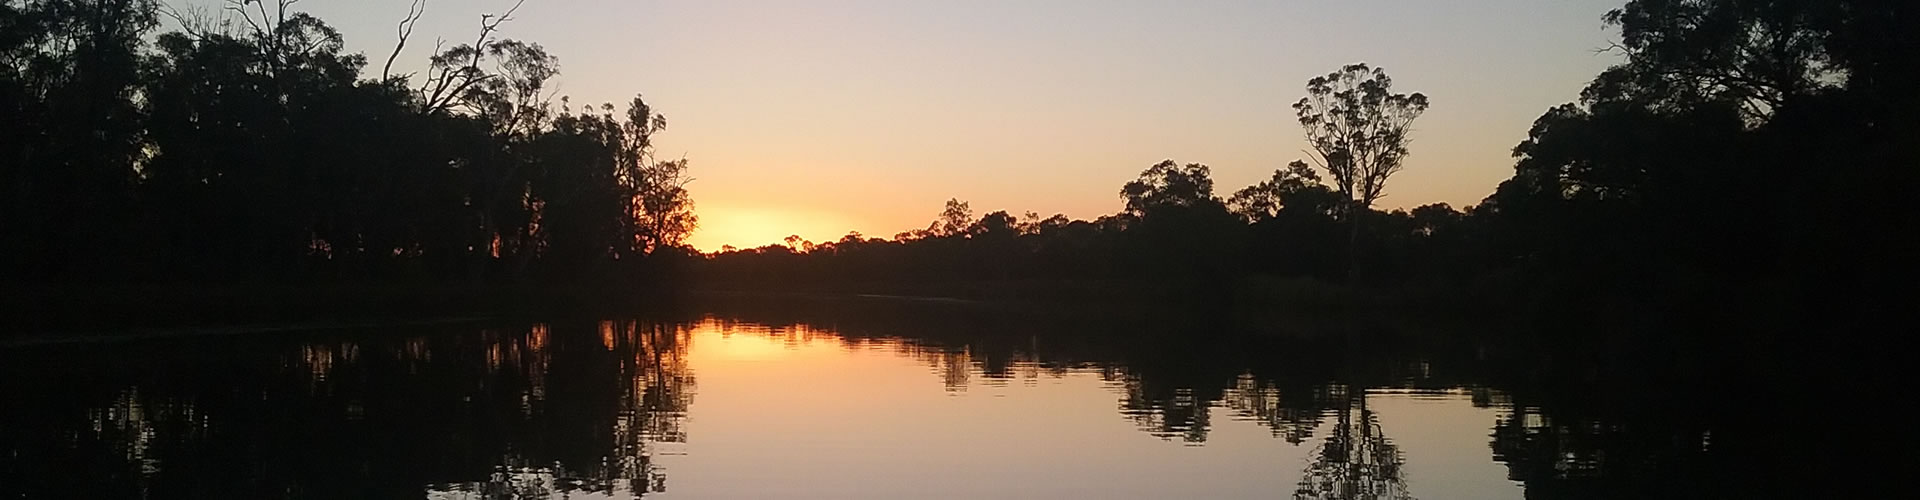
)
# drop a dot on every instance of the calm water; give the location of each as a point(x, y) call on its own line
point(853, 404)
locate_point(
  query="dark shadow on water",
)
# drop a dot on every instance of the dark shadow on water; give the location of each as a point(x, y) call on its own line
point(376, 415)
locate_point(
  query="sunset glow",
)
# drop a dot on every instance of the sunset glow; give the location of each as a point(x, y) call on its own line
point(821, 118)
point(749, 226)
point(931, 249)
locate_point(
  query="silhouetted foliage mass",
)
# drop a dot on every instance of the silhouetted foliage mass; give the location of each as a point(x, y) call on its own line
point(1745, 156)
point(253, 149)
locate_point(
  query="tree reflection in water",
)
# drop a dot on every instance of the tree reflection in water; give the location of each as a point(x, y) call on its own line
point(654, 388)
point(502, 413)
point(1289, 415)
point(1565, 454)
point(1356, 460)
point(584, 407)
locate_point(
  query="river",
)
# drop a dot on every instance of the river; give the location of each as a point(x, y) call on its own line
point(879, 401)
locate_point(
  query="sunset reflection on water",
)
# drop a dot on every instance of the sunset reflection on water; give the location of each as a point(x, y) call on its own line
point(722, 407)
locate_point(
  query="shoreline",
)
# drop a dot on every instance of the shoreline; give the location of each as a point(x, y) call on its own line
point(85, 314)
point(88, 310)
point(142, 334)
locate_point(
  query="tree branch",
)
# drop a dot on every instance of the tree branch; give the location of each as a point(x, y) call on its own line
point(405, 30)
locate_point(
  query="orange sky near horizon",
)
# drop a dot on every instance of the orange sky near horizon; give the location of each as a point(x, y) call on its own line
point(819, 118)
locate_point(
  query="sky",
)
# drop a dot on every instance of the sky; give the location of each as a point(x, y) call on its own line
point(823, 117)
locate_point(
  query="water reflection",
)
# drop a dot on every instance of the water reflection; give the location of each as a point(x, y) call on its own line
point(644, 365)
point(1356, 460)
point(1292, 414)
point(853, 405)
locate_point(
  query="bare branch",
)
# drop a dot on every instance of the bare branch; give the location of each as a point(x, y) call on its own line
point(240, 7)
point(1315, 158)
point(507, 16)
point(405, 29)
point(263, 10)
point(195, 21)
point(446, 90)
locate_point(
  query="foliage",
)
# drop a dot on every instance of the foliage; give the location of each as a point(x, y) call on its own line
point(70, 142)
point(1169, 186)
point(1740, 142)
point(1296, 186)
point(1761, 143)
point(255, 150)
point(1173, 232)
point(1358, 129)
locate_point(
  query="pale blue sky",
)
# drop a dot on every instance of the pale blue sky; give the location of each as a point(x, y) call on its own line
point(821, 117)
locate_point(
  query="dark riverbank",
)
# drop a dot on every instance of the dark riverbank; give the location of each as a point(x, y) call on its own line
point(1290, 306)
point(1253, 303)
point(112, 309)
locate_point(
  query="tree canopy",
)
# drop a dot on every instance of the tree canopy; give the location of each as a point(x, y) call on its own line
point(256, 149)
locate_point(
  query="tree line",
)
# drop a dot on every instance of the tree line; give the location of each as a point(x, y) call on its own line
point(1761, 144)
point(1312, 219)
point(243, 145)
point(1751, 152)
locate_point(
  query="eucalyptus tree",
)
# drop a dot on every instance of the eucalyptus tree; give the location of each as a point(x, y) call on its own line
point(953, 220)
point(1169, 185)
point(1358, 131)
point(1294, 186)
point(1176, 228)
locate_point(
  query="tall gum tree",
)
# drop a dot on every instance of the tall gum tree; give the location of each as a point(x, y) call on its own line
point(1358, 131)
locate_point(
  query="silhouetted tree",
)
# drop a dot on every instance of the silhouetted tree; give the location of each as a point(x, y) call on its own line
point(251, 149)
point(1263, 201)
point(1178, 229)
point(1661, 191)
point(70, 142)
point(1358, 131)
point(953, 220)
point(1169, 186)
